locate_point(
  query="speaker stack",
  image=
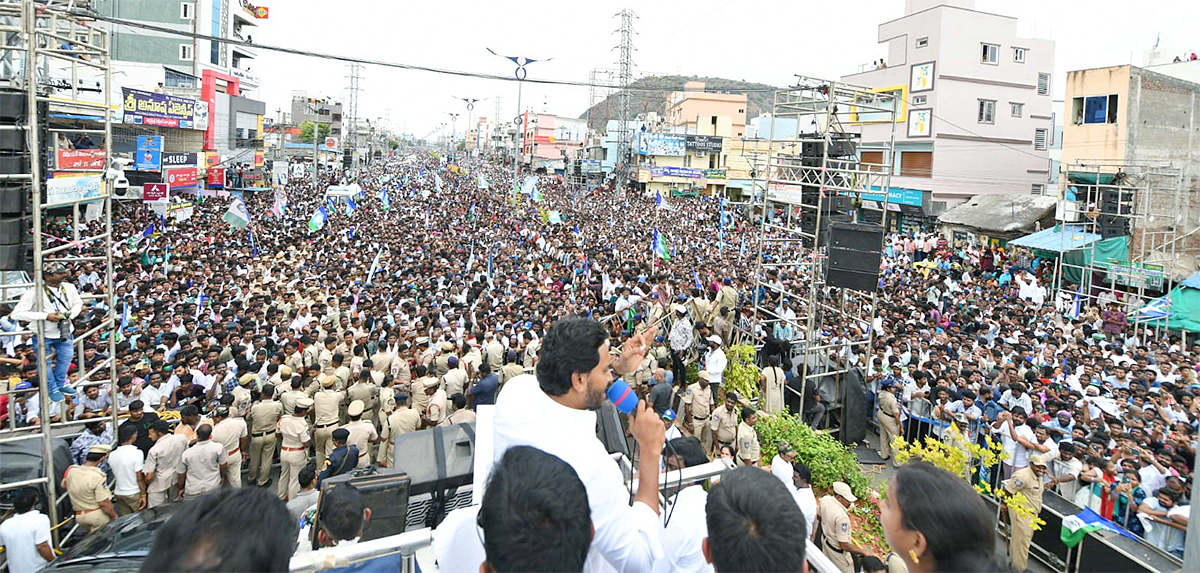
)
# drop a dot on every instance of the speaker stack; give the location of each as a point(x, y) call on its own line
point(16, 194)
point(1116, 205)
point(854, 256)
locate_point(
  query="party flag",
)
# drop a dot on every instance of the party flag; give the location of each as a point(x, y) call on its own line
point(236, 215)
point(317, 221)
point(659, 247)
point(351, 207)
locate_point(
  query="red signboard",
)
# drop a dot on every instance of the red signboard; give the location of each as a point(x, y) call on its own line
point(211, 158)
point(179, 178)
point(259, 158)
point(154, 192)
point(216, 178)
point(81, 159)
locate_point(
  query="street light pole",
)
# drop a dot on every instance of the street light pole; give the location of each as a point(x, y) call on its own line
point(453, 132)
point(521, 73)
point(471, 106)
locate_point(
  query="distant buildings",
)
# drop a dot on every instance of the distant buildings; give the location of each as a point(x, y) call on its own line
point(975, 113)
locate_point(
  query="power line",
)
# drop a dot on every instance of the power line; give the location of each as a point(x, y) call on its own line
point(335, 57)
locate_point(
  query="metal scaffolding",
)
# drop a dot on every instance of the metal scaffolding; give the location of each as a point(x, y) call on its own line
point(812, 179)
point(1102, 200)
point(54, 56)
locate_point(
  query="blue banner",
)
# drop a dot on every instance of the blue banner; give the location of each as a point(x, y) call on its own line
point(149, 153)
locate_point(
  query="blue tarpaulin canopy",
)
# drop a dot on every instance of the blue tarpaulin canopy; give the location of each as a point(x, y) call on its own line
point(1058, 239)
point(1192, 281)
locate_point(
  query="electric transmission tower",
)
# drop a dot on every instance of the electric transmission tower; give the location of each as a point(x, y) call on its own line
point(624, 111)
point(352, 131)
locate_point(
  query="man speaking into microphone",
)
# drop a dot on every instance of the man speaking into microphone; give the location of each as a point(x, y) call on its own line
point(555, 411)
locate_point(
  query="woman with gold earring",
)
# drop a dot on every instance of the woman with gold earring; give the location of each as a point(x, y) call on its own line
point(936, 522)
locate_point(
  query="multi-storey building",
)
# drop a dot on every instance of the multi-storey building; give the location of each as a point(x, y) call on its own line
point(974, 112)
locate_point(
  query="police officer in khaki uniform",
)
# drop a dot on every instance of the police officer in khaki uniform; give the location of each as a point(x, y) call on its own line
point(724, 422)
point(402, 421)
point(294, 394)
point(340, 371)
point(748, 451)
point(241, 396)
point(90, 498)
point(325, 356)
point(697, 406)
point(295, 438)
point(400, 370)
point(1028, 480)
point(362, 433)
point(420, 400)
point(231, 433)
point(833, 521)
point(327, 403)
point(441, 364)
point(364, 390)
point(263, 418)
point(889, 417)
point(162, 463)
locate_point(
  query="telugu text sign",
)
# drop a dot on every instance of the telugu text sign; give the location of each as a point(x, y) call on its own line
point(81, 159)
point(159, 110)
point(154, 192)
point(181, 178)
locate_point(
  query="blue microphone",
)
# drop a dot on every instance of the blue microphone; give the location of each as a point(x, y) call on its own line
point(623, 397)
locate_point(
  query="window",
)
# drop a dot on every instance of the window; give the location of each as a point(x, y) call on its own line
point(1043, 85)
point(185, 11)
point(922, 41)
point(1095, 109)
point(916, 164)
point(1018, 109)
point(918, 100)
point(1040, 136)
point(1038, 189)
point(185, 52)
point(872, 161)
point(991, 54)
point(987, 111)
point(1019, 55)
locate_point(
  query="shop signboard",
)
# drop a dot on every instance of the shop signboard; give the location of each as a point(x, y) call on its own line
point(158, 110)
point(704, 143)
point(715, 174)
point(178, 159)
point(152, 192)
point(687, 172)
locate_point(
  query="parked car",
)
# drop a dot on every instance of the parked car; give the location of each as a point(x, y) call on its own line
point(119, 546)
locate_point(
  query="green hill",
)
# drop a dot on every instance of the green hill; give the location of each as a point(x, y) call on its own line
point(650, 94)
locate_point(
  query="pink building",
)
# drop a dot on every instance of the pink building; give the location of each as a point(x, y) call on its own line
point(548, 137)
point(700, 112)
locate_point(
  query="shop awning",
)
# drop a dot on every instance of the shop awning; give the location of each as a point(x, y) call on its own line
point(1058, 239)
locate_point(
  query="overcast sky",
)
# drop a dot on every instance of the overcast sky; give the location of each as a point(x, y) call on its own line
point(750, 40)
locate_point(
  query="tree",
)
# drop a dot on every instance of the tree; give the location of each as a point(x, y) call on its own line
point(306, 131)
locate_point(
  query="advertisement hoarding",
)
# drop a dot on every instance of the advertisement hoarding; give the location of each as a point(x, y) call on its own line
point(181, 178)
point(149, 153)
point(662, 144)
point(81, 159)
point(71, 187)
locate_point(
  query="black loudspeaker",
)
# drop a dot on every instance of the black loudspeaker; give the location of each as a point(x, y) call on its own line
point(1116, 201)
point(854, 256)
point(385, 493)
point(854, 413)
point(1112, 226)
point(441, 463)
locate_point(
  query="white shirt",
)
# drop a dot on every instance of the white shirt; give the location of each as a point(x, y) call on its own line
point(715, 364)
point(126, 461)
point(20, 536)
point(808, 504)
point(151, 397)
point(683, 535)
point(626, 538)
point(782, 469)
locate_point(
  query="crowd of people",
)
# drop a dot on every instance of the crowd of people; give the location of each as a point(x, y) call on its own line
point(311, 340)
